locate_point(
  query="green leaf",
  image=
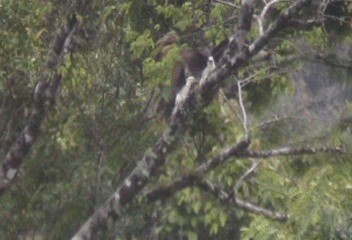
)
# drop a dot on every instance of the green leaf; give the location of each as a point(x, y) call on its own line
point(192, 235)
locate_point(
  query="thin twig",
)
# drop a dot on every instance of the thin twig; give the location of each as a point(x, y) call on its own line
point(244, 122)
point(277, 118)
point(227, 3)
point(266, 8)
point(290, 151)
point(246, 175)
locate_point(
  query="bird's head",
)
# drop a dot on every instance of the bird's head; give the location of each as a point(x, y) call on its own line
point(211, 62)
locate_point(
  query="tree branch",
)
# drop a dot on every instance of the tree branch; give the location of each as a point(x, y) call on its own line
point(237, 54)
point(230, 198)
point(238, 150)
point(281, 22)
point(44, 95)
point(288, 151)
point(243, 109)
point(194, 178)
point(227, 3)
point(249, 173)
point(187, 180)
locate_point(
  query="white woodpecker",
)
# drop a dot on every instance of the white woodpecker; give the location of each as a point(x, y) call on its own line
point(210, 67)
point(183, 94)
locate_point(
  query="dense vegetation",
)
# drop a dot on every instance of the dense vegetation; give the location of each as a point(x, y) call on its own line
point(83, 90)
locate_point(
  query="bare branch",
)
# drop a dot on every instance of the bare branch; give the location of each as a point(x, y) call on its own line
point(247, 175)
point(188, 179)
point(288, 151)
point(261, 18)
point(244, 114)
point(230, 198)
point(266, 9)
point(44, 94)
point(166, 191)
point(194, 178)
point(277, 118)
point(238, 150)
point(277, 25)
point(237, 54)
point(227, 3)
point(305, 24)
point(232, 55)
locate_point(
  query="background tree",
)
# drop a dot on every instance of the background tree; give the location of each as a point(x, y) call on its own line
point(293, 97)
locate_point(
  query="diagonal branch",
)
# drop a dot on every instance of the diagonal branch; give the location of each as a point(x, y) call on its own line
point(237, 53)
point(238, 150)
point(248, 174)
point(230, 198)
point(279, 24)
point(44, 94)
point(189, 179)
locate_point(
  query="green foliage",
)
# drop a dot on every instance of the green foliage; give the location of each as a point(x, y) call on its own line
point(193, 213)
point(183, 17)
point(159, 73)
point(104, 120)
point(141, 44)
point(315, 210)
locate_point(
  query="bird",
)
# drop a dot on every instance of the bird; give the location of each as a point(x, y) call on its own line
point(210, 67)
point(196, 62)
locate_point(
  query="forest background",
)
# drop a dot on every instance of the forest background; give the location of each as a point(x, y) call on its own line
point(261, 150)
